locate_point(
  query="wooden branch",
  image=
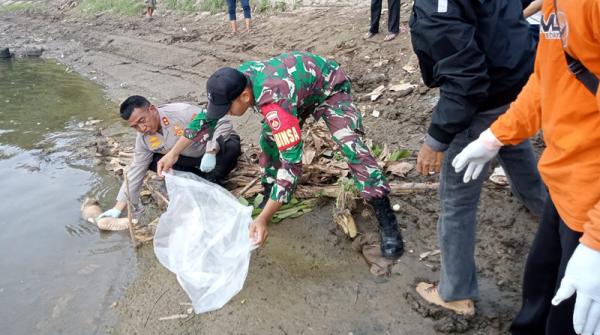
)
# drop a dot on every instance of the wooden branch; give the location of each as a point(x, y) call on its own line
point(247, 187)
point(158, 194)
point(129, 214)
point(396, 189)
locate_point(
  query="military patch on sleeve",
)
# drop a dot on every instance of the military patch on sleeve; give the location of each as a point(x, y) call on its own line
point(285, 127)
point(165, 120)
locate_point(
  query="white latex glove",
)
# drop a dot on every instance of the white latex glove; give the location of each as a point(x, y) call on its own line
point(475, 155)
point(208, 162)
point(582, 277)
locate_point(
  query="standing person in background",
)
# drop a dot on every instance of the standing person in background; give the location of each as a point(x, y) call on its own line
point(232, 16)
point(463, 48)
point(393, 19)
point(561, 284)
point(150, 5)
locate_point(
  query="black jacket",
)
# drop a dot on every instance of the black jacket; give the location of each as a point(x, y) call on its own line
point(479, 53)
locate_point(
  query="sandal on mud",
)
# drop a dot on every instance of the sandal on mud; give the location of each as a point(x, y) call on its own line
point(369, 35)
point(430, 293)
point(389, 37)
point(498, 177)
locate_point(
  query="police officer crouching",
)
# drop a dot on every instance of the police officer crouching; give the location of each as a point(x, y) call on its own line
point(158, 129)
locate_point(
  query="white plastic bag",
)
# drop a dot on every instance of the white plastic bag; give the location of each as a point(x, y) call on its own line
point(203, 239)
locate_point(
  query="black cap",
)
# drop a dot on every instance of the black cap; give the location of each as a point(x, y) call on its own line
point(224, 86)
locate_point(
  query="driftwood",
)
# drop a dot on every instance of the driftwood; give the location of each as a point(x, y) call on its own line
point(129, 214)
point(247, 187)
point(396, 189)
point(157, 193)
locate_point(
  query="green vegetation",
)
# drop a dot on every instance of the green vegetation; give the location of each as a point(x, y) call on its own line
point(263, 6)
point(376, 150)
point(398, 155)
point(213, 6)
point(270, 5)
point(337, 156)
point(280, 6)
point(15, 7)
point(295, 208)
point(136, 7)
point(179, 5)
point(126, 7)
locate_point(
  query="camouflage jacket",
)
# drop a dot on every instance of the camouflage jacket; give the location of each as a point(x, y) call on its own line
point(287, 90)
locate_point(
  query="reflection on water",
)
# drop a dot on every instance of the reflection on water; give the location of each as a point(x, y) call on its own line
point(59, 273)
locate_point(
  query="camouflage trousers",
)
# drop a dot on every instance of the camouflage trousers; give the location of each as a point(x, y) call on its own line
point(345, 124)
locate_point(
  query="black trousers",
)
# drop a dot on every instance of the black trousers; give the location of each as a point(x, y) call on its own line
point(227, 157)
point(552, 248)
point(393, 16)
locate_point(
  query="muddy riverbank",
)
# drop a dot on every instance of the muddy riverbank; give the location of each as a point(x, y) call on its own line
point(307, 279)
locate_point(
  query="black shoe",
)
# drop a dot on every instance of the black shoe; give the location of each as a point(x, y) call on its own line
point(266, 195)
point(392, 246)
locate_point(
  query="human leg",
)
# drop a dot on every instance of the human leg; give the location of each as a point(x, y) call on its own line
point(345, 124)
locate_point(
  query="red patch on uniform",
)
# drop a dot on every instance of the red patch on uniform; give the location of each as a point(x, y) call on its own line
point(165, 121)
point(194, 115)
point(273, 120)
point(285, 127)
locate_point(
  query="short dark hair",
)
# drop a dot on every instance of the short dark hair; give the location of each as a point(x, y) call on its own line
point(131, 103)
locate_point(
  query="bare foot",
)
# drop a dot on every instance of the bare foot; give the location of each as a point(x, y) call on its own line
point(369, 35)
point(389, 37)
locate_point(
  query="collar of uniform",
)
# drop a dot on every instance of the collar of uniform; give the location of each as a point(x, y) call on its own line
point(163, 119)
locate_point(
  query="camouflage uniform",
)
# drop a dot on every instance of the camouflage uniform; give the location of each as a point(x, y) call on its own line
point(287, 90)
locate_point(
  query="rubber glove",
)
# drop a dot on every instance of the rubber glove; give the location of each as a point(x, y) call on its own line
point(113, 213)
point(581, 277)
point(208, 162)
point(475, 155)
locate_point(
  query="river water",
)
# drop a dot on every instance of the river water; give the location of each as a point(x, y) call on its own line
point(58, 273)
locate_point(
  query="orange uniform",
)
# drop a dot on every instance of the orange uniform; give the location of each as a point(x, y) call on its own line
point(558, 103)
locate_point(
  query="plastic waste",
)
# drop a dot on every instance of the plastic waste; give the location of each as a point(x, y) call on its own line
point(203, 239)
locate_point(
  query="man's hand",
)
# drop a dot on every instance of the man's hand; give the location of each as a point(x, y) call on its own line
point(113, 213)
point(208, 162)
point(429, 161)
point(258, 231)
point(166, 163)
point(581, 277)
point(476, 155)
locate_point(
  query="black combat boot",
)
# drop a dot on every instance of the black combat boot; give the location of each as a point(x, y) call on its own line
point(392, 246)
point(266, 195)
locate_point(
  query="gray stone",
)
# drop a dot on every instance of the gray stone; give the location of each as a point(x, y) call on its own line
point(33, 51)
point(5, 53)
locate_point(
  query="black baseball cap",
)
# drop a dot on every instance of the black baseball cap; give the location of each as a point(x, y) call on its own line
point(223, 86)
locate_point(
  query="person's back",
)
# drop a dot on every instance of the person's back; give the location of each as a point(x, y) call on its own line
point(298, 81)
point(449, 41)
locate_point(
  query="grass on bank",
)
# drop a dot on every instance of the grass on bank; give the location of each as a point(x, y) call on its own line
point(15, 7)
point(136, 7)
point(126, 7)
